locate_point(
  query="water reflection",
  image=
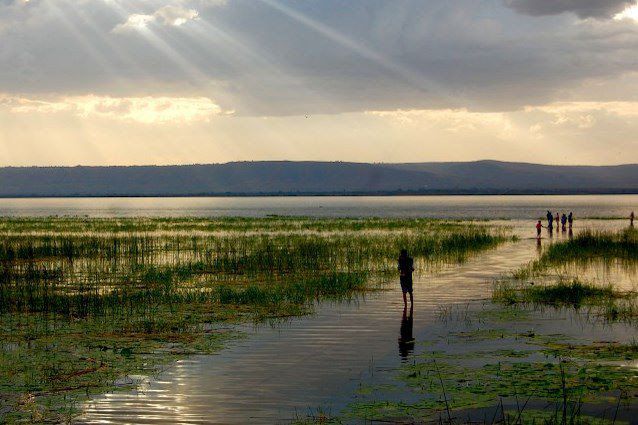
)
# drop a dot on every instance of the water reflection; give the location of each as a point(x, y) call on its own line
point(492, 207)
point(406, 338)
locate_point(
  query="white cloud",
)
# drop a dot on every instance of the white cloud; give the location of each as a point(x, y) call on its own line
point(145, 110)
point(172, 16)
point(561, 109)
point(175, 15)
point(629, 13)
point(134, 22)
point(451, 120)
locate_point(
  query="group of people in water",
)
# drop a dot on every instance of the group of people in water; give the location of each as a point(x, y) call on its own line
point(563, 221)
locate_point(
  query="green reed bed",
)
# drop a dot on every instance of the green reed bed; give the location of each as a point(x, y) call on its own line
point(225, 224)
point(559, 277)
point(86, 301)
point(585, 247)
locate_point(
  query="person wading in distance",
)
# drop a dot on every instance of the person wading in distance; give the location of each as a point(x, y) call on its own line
point(570, 219)
point(406, 267)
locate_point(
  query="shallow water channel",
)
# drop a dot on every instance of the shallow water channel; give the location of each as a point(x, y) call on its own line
point(316, 364)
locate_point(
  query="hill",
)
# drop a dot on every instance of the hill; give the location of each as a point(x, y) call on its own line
point(317, 178)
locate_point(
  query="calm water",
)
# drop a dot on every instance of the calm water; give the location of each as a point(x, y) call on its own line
point(480, 207)
point(316, 363)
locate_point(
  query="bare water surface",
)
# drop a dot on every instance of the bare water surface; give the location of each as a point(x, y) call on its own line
point(465, 207)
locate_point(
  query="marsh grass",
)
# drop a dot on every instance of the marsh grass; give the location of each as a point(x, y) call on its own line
point(564, 293)
point(586, 247)
point(556, 277)
point(84, 301)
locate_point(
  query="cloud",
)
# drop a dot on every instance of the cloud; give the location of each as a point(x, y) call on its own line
point(145, 110)
point(291, 57)
point(171, 16)
point(629, 13)
point(451, 120)
point(582, 8)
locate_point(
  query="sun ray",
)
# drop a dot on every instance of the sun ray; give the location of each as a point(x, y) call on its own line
point(190, 70)
point(417, 80)
point(62, 13)
point(203, 29)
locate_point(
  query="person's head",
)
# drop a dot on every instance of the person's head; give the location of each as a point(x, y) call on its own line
point(539, 221)
point(404, 253)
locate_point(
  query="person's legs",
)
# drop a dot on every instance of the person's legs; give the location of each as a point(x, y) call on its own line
point(405, 301)
point(411, 299)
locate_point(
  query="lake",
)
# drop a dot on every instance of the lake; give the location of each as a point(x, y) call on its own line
point(349, 353)
point(462, 207)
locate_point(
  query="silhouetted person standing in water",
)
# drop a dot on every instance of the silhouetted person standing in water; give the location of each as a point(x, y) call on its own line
point(550, 220)
point(570, 219)
point(406, 267)
point(406, 339)
point(563, 221)
point(631, 219)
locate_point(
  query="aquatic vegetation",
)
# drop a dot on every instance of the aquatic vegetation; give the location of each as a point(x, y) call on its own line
point(574, 294)
point(85, 301)
point(503, 384)
point(555, 278)
point(594, 244)
point(586, 247)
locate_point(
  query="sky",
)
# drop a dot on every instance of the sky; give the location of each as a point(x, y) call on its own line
point(131, 82)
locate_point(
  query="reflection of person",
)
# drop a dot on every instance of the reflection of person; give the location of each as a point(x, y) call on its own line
point(406, 267)
point(539, 247)
point(406, 339)
point(631, 219)
point(571, 233)
point(557, 221)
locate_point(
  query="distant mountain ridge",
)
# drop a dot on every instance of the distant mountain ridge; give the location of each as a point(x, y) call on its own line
point(317, 178)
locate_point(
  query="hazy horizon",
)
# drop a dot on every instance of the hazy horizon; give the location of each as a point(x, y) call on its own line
point(320, 161)
point(157, 82)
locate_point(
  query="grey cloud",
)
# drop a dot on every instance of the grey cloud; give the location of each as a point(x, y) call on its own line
point(314, 56)
point(582, 8)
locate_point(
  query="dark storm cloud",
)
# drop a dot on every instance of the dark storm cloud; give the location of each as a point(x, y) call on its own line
point(277, 57)
point(582, 8)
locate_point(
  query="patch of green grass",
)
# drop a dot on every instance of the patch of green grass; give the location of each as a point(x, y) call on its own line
point(574, 294)
point(597, 351)
point(604, 302)
point(586, 247)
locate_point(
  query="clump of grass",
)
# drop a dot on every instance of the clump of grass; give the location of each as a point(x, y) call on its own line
point(573, 294)
point(604, 302)
point(564, 293)
point(587, 246)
